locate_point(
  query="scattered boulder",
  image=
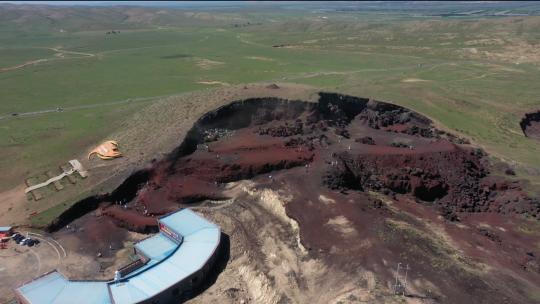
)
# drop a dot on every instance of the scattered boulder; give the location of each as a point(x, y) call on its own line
point(272, 86)
point(366, 140)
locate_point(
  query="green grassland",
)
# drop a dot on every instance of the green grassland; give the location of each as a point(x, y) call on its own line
point(16, 56)
point(422, 63)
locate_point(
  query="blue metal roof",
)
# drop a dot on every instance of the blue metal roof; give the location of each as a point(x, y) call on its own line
point(186, 222)
point(200, 240)
point(157, 247)
point(169, 264)
point(55, 288)
point(44, 289)
point(84, 292)
point(189, 258)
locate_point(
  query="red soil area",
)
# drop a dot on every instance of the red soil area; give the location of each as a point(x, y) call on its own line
point(93, 234)
point(199, 176)
point(133, 219)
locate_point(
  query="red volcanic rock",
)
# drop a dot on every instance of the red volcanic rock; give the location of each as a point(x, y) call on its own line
point(199, 176)
point(285, 130)
point(455, 179)
point(131, 219)
point(366, 140)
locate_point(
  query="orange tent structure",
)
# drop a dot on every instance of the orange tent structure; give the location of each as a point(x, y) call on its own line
point(107, 150)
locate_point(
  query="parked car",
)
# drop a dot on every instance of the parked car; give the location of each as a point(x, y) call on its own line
point(24, 241)
point(29, 242)
point(17, 237)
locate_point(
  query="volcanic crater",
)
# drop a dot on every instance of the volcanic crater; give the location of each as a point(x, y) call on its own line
point(530, 125)
point(358, 152)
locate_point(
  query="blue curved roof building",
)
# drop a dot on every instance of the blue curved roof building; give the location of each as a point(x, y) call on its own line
point(171, 262)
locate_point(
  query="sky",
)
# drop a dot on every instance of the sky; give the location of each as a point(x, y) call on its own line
point(138, 3)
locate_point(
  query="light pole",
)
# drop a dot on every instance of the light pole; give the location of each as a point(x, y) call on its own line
point(405, 283)
point(397, 277)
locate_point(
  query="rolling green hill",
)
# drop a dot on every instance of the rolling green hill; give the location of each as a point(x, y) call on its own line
point(474, 75)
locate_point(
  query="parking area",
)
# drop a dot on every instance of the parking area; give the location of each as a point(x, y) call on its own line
point(69, 251)
point(25, 256)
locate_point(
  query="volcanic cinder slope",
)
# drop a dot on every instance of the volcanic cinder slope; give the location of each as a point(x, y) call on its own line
point(322, 200)
point(530, 124)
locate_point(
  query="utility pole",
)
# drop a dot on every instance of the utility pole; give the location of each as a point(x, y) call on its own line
point(397, 278)
point(405, 282)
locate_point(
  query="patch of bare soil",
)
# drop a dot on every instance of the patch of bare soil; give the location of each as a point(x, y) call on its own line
point(8, 210)
point(207, 64)
point(214, 82)
point(516, 52)
point(414, 80)
point(260, 58)
point(341, 191)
